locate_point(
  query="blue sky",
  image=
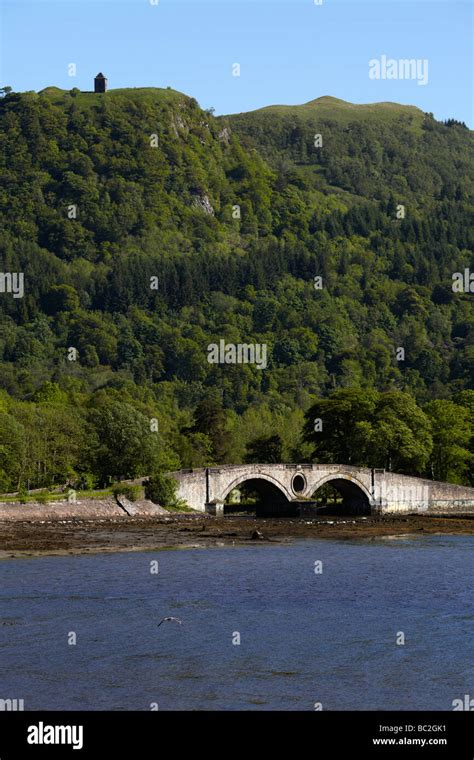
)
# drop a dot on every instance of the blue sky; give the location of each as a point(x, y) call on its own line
point(289, 51)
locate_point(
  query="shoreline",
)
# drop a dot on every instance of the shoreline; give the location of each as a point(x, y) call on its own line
point(23, 539)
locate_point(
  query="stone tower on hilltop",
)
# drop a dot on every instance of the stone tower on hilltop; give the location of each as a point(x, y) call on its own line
point(100, 83)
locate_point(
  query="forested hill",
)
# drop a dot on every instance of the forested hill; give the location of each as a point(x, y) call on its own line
point(232, 218)
point(374, 151)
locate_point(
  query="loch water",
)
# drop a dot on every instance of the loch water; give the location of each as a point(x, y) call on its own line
point(318, 623)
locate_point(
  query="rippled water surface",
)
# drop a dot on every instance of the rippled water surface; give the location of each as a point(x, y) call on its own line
point(304, 637)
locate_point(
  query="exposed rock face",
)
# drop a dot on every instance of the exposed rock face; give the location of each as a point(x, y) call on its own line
point(178, 125)
point(203, 202)
point(143, 508)
point(224, 135)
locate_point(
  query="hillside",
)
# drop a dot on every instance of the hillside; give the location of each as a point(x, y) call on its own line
point(327, 107)
point(367, 150)
point(232, 218)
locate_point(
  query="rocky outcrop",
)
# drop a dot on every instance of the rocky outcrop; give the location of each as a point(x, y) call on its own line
point(202, 202)
point(143, 508)
point(224, 136)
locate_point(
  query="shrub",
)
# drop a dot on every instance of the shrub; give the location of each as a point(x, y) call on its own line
point(23, 496)
point(86, 482)
point(132, 493)
point(161, 489)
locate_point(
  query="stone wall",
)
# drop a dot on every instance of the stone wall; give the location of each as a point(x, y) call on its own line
point(400, 493)
point(85, 509)
point(192, 488)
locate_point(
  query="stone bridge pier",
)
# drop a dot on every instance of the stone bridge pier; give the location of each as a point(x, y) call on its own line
point(287, 489)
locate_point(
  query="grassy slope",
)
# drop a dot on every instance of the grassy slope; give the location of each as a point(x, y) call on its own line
point(328, 109)
point(324, 108)
point(138, 94)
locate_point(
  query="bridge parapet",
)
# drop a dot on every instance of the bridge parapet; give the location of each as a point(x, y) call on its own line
point(402, 493)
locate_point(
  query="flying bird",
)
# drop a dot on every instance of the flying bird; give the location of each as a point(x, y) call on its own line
point(170, 620)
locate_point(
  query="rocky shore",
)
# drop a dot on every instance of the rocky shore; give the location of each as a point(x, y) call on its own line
point(59, 532)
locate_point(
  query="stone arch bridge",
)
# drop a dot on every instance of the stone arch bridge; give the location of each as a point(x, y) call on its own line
point(286, 489)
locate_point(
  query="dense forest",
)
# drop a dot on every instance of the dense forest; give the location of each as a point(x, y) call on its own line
point(146, 229)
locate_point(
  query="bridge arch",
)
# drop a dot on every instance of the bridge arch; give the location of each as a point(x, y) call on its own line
point(339, 476)
point(249, 478)
point(356, 499)
point(355, 495)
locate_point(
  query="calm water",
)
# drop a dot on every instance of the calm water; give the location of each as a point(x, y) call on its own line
point(305, 638)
